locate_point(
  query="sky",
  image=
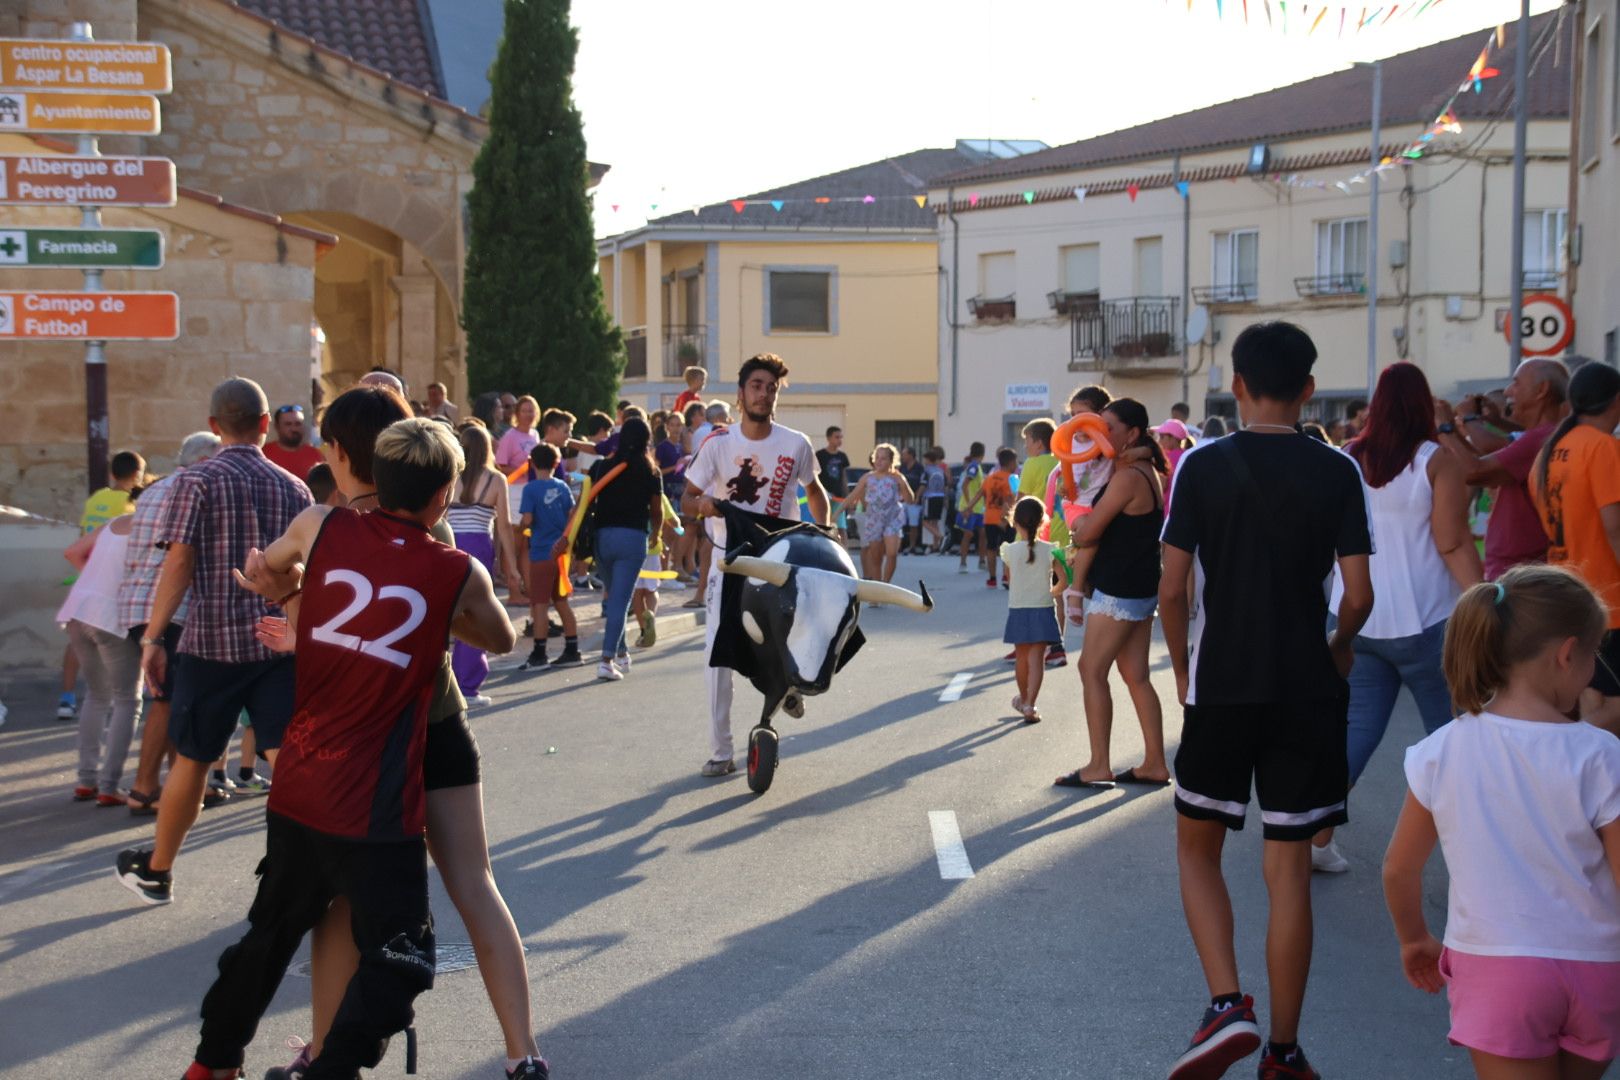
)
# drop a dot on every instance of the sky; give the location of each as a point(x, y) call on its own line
point(697, 102)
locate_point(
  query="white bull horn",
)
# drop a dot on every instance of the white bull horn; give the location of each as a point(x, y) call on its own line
point(766, 570)
point(881, 592)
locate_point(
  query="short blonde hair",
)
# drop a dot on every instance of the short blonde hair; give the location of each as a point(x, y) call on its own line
point(412, 461)
point(894, 455)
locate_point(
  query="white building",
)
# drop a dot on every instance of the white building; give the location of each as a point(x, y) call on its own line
point(1078, 264)
point(1594, 283)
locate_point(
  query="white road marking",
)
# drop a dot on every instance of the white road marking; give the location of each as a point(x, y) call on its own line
point(948, 850)
point(956, 687)
point(12, 883)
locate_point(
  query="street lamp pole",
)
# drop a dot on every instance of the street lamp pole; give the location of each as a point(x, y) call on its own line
point(1521, 79)
point(1372, 224)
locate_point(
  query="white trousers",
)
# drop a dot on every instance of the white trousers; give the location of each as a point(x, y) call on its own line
point(718, 680)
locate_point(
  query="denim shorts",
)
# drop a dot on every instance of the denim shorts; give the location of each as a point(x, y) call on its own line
point(1125, 609)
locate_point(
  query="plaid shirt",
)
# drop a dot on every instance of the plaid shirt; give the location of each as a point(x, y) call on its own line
point(233, 501)
point(145, 558)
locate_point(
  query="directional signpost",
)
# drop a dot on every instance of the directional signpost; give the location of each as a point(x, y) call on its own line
point(90, 316)
point(82, 249)
point(86, 88)
point(55, 180)
point(73, 114)
point(128, 67)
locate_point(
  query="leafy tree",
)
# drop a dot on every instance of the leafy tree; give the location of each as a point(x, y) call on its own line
point(532, 305)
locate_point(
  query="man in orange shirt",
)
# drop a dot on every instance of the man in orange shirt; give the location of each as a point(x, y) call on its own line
point(1576, 487)
point(997, 495)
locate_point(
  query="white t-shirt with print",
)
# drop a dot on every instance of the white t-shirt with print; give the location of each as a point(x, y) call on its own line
point(762, 476)
point(1517, 804)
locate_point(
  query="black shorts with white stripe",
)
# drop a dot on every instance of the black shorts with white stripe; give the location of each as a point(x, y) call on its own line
point(1293, 755)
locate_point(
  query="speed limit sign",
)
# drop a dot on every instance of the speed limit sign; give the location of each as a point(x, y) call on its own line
point(1546, 324)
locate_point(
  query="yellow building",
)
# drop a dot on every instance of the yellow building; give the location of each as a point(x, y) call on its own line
point(845, 289)
point(1082, 263)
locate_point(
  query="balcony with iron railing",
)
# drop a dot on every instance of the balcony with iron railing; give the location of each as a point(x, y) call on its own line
point(1243, 292)
point(1331, 285)
point(1132, 333)
point(684, 347)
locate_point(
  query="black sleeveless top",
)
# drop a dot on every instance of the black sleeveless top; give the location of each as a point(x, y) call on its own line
point(1127, 562)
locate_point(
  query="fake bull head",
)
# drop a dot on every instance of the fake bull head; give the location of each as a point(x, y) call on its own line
point(800, 608)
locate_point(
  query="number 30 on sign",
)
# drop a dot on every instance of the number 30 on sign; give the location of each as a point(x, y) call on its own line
point(1546, 325)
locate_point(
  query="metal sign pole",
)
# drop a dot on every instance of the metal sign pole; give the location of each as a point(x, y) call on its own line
point(1372, 227)
point(98, 449)
point(1521, 78)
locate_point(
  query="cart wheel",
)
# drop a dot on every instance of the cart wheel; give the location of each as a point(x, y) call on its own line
point(761, 758)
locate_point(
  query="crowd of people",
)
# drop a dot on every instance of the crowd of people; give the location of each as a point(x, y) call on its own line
point(1301, 573)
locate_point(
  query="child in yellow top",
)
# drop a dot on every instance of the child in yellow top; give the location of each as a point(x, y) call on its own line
point(644, 601)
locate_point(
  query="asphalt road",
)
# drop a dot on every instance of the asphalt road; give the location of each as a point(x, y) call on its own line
point(679, 927)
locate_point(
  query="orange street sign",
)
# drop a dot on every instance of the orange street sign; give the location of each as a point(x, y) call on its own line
point(129, 67)
point(47, 180)
point(80, 114)
point(90, 316)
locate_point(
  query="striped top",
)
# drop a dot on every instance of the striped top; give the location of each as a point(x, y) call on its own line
point(472, 517)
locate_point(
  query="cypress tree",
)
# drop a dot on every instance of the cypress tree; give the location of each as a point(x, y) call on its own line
point(532, 304)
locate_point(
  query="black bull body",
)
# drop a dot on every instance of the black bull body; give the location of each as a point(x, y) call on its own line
point(790, 608)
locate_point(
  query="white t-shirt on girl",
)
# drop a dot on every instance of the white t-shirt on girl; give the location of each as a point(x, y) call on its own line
point(1030, 583)
point(1517, 804)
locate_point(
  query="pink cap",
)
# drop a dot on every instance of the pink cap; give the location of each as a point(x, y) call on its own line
point(1173, 428)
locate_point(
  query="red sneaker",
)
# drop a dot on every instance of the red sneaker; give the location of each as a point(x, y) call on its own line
point(1056, 658)
point(83, 794)
point(1225, 1037)
point(113, 799)
point(1011, 657)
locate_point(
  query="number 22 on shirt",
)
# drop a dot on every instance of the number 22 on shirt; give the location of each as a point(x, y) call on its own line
point(331, 631)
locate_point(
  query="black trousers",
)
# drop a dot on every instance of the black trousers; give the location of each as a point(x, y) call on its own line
point(302, 872)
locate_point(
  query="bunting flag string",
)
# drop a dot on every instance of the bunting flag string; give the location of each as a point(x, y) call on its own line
point(1310, 16)
point(739, 205)
point(1446, 123)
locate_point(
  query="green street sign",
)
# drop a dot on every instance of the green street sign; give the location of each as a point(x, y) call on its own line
point(83, 249)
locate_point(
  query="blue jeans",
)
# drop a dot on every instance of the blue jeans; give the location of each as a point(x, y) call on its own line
point(1382, 666)
point(619, 555)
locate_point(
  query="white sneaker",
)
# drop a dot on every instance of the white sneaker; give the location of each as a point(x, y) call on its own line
point(607, 672)
point(1327, 860)
point(622, 662)
point(480, 701)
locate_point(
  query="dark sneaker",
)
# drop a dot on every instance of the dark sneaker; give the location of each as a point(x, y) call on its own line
point(213, 796)
point(530, 1069)
point(299, 1066)
point(553, 628)
point(535, 662)
point(1225, 1037)
point(1292, 1067)
point(568, 658)
point(152, 886)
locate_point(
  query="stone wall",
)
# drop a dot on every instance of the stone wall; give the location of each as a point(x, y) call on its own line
point(271, 122)
point(246, 300)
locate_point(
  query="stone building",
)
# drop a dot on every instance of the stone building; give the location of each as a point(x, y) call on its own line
point(319, 230)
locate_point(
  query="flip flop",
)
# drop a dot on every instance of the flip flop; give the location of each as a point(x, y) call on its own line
point(1073, 780)
point(1129, 777)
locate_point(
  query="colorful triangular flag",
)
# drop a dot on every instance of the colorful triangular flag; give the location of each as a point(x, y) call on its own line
point(1183, 187)
point(738, 204)
point(1133, 190)
point(869, 199)
point(1029, 196)
point(776, 204)
point(973, 200)
point(920, 200)
point(1080, 193)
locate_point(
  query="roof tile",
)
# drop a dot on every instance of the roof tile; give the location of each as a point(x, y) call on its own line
point(1416, 85)
point(393, 36)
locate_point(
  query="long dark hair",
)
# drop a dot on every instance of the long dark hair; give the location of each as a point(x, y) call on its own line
point(635, 441)
point(1028, 514)
point(1133, 414)
point(1399, 420)
point(1592, 390)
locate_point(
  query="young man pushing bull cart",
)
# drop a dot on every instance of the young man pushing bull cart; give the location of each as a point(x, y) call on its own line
point(787, 616)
